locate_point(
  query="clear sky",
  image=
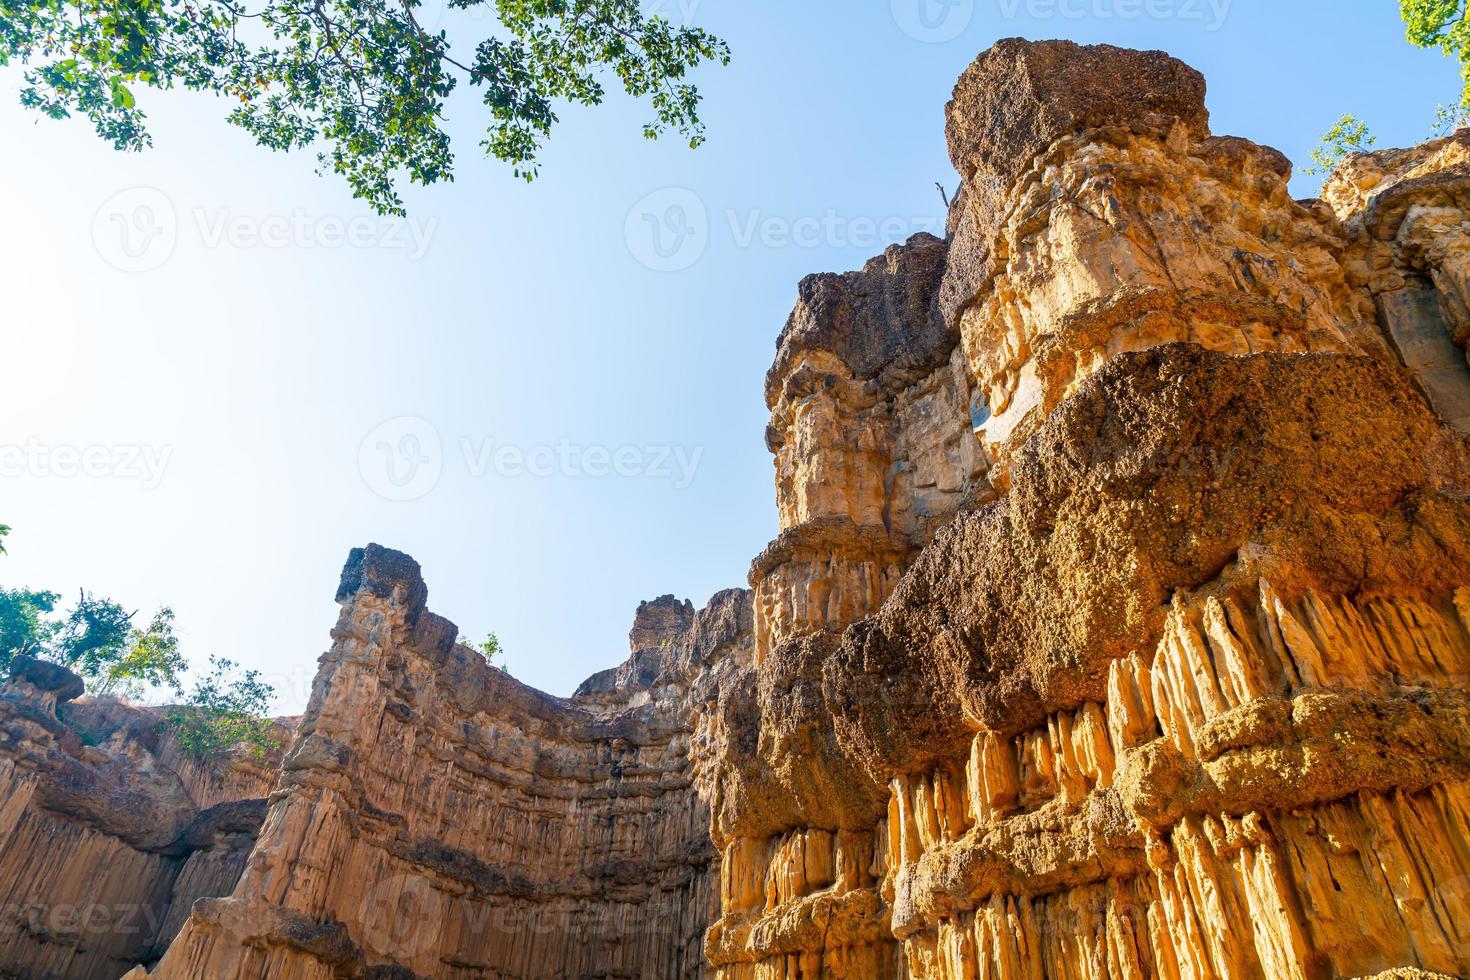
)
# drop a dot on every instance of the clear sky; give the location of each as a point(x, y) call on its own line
point(220, 372)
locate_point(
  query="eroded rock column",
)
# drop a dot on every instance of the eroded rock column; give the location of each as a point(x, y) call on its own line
point(1183, 693)
point(439, 819)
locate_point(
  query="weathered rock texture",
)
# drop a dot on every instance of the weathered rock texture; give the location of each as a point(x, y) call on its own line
point(107, 833)
point(1173, 682)
point(1118, 625)
point(436, 818)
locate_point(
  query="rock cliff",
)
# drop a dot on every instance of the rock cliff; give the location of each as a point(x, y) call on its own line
point(1142, 650)
point(1118, 626)
point(108, 833)
point(491, 830)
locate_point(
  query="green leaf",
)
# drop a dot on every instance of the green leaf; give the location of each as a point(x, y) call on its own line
point(364, 82)
point(121, 97)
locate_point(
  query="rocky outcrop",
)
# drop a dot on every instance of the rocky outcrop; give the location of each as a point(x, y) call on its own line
point(1118, 625)
point(871, 412)
point(1405, 212)
point(492, 830)
point(1177, 685)
point(108, 834)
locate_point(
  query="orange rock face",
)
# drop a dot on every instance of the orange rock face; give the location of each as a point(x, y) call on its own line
point(491, 830)
point(107, 833)
point(1176, 685)
point(1118, 625)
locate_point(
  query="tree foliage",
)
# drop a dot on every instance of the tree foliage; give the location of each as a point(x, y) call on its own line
point(1441, 25)
point(494, 653)
point(25, 629)
point(363, 80)
point(1448, 119)
point(225, 711)
point(1350, 135)
point(93, 637)
point(96, 639)
point(4, 530)
point(150, 659)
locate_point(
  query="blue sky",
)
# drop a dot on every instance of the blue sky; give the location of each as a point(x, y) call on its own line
point(221, 372)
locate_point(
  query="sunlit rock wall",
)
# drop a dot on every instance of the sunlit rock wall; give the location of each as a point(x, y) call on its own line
point(1118, 626)
point(107, 834)
point(438, 819)
point(1174, 683)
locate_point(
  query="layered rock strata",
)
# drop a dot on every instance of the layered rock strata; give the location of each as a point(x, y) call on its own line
point(108, 834)
point(1187, 696)
point(871, 415)
point(436, 818)
point(1118, 625)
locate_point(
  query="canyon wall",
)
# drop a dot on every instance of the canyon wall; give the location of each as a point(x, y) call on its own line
point(436, 818)
point(108, 833)
point(1117, 626)
point(1141, 649)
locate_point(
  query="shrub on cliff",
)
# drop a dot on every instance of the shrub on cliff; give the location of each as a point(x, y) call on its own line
point(96, 640)
point(494, 653)
point(224, 712)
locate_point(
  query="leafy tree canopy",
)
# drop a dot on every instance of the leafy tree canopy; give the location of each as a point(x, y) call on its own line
point(150, 659)
point(1441, 24)
point(364, 80)
point(24, 627)
point(96, 639)
point(93, 636)
point(224, 711)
